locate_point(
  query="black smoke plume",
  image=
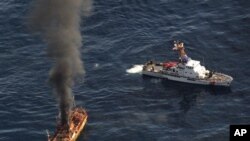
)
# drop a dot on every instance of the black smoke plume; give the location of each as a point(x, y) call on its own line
point(58, 22)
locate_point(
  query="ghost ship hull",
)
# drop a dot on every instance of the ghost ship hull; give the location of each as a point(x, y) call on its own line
point(77, 121)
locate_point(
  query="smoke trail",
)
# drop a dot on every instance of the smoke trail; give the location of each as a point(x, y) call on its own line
point(58, 21)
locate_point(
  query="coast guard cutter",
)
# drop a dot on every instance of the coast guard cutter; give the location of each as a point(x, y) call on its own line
point(185, 70)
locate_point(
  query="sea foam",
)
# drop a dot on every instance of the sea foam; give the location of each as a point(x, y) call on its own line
point(135, 69)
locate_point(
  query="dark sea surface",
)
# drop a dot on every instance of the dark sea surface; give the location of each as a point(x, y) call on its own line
point(123, 106)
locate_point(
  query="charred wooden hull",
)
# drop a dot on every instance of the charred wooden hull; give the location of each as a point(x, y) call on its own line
point(71, 132)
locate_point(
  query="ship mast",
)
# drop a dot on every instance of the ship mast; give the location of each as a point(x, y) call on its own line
point(179, 46)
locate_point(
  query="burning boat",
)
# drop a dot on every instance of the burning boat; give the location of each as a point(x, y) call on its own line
point(185, 70)
point(71, 131)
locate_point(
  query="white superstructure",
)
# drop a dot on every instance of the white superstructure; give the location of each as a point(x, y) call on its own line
point(193, 69)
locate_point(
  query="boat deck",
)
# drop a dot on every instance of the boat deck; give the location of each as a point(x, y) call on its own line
point(219, 77)
point(153, 67)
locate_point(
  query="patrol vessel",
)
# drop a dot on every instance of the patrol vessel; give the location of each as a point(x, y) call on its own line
point(185, 70)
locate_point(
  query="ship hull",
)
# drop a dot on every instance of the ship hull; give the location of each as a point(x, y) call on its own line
point(80, 129)
point(189, 80)
point(77, 122)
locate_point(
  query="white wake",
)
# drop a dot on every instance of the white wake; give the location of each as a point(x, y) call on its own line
point(135, 69)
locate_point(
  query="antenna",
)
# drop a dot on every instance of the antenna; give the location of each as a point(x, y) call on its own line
point(203, 61)
point(47, 131)
point(74, 102)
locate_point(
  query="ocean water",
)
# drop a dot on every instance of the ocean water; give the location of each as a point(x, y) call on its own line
point(126, 106)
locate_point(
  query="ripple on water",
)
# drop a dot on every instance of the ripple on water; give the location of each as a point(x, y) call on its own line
point(123, 106)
